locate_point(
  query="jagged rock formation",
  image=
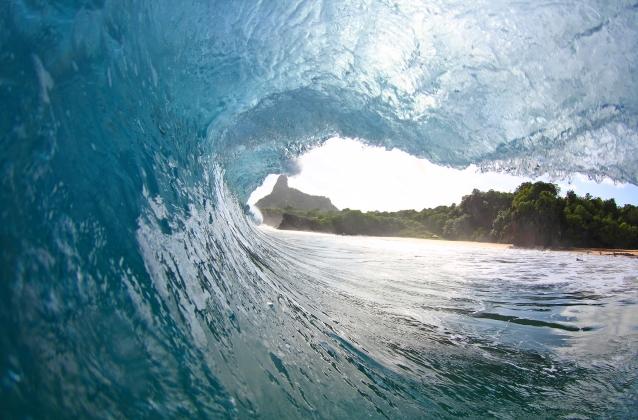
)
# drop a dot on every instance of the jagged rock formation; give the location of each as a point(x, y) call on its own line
point(282, 197)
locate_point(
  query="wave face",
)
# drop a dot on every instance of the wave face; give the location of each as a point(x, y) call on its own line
point(132, 283)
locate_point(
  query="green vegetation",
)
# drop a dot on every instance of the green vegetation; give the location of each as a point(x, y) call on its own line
point(534, 215)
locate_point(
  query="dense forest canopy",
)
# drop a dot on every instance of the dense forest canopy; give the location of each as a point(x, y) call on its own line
point(534, 215)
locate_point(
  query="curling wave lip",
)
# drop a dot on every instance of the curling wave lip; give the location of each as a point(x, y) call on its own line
point(132, 283)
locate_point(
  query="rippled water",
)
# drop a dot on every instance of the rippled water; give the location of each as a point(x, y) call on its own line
point(473, 329)
point(132, 284)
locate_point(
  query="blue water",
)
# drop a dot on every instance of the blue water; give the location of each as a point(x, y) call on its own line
point(133, 285)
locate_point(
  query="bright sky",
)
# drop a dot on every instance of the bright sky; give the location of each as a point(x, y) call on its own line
point(362, 177)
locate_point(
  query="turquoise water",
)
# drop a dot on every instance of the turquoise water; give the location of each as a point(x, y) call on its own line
point(134, 285)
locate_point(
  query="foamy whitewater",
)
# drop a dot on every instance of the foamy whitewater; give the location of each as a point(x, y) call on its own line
point(133, 283)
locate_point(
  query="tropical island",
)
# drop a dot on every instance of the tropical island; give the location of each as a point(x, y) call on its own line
point(534, 215)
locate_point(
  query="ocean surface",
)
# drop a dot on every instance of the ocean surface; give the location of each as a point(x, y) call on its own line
point(439, 328)
point(133, 283)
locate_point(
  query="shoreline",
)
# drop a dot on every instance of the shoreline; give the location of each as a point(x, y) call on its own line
point(631, 253)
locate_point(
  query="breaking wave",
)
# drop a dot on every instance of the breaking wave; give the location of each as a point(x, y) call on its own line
point(131, 132)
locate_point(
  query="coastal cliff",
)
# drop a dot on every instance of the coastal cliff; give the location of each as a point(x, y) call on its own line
point(283, 197)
